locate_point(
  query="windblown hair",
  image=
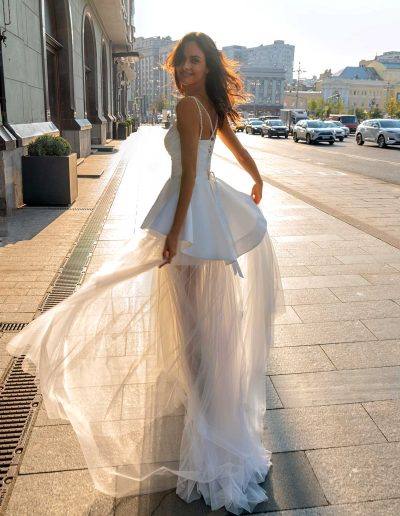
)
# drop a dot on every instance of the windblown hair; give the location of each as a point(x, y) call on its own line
point(223, 85)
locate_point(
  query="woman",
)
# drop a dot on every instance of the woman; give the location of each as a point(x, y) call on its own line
point(158, 361)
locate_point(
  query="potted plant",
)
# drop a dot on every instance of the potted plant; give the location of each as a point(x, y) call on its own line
point(129, 125)
point(49, 172)
point(122, 130)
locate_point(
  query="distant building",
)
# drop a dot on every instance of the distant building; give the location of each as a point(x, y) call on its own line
point(292, 100)
point(152, 82)
point(364, 87)
point(265, 71)
point(64, 70)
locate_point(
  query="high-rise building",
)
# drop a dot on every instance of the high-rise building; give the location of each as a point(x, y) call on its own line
point(264, 70)
point(153, 84)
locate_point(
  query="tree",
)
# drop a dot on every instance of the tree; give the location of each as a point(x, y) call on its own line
point(312, 106)
point(392, 107)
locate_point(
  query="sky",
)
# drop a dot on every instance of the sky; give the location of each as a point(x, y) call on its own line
point(326, 34)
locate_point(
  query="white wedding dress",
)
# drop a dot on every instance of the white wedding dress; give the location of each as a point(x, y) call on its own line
point(161, 372)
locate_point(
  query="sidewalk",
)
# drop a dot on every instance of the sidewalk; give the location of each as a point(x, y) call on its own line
point(333, 391)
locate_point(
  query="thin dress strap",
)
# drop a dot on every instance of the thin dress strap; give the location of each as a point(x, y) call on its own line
point(213, 128)
point(198, 103)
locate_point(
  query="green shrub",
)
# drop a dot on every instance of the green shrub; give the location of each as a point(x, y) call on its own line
point(47, 145)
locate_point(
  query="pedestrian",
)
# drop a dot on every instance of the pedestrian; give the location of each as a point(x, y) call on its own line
point(159, 360)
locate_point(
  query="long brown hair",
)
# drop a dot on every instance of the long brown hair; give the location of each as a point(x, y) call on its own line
point(223, 85)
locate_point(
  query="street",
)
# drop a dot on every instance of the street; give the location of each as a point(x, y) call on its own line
point(344, 156)
point(333, 376)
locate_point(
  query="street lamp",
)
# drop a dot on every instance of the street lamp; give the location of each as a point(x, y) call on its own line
point(299, 71)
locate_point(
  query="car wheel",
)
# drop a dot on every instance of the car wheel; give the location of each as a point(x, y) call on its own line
point(295, 138)
point(286, 135)
point(381, 141)
point(359, 139)
point(341, 138)
point(331, 143)
point(308, 139)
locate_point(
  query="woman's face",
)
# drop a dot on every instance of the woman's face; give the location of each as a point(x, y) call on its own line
point(193, 68)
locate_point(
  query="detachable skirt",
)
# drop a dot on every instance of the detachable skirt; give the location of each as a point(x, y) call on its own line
point(161, 372)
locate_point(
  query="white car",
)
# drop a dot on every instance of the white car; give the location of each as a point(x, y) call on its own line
point(313, 131)
point(344, 127)
point(339, 132)
point(382, 131)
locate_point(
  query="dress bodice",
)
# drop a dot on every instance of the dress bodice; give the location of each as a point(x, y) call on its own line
point(221, 223)
point(204, 152)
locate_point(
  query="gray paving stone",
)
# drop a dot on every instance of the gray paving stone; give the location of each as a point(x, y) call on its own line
point(348, 311)
point(52, 448)
point(321, 333)
point(310, 296)
point(382, 279)
point(308, 428)
point(336, 387)
point(370, 258)
point(69, 492)
point(307, 260)
point(357, 355)
point(339, 280)
point(358, 268)
point(386, 415)
point(43, 420)
point(388, 328)
point(286, 315)
point(298, 359)
point(375, 508)
point(366, 293)
point(358, 473)
point(273, 401)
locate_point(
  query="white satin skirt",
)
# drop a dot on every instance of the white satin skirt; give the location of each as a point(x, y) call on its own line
point(161, 373)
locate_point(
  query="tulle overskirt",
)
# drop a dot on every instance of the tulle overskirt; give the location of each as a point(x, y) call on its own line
point(161, 372)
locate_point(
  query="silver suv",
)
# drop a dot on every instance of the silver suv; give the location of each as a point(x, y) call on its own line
point(382, 131)
point(313, 131)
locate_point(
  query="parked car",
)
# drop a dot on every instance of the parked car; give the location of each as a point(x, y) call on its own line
point(313, 131)
point(274, 127)
point(239, 125)
point(344, 127)
point(253, 126)
point(382, 131)
point(339, 132)
point(349, 121)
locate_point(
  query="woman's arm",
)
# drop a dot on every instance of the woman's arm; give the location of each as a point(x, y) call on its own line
point(188, 122)
point(243, 157)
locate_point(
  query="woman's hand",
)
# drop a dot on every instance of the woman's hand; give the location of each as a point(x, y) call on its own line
point(170, 247)
point(256, 192)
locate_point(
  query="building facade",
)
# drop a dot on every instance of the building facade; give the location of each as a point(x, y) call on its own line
point(294, 99)
point(64, 71)
point(153, 86)
point(367, 86)
point(265, 70)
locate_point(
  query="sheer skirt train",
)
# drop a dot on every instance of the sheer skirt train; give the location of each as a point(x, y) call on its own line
point(161, 373)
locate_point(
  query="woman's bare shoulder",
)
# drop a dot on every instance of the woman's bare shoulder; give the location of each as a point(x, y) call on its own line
point(187, 111)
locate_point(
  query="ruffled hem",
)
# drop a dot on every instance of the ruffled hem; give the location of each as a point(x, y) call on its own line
point(231, 226)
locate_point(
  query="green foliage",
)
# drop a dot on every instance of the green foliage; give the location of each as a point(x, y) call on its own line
point(47, 145)
point(392, 107)
point(128, 121)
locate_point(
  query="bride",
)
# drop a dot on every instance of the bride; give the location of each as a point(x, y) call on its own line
point(159, 360)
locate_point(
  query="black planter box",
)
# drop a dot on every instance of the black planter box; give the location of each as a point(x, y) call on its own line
point(122, 132)
point(49, 180)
